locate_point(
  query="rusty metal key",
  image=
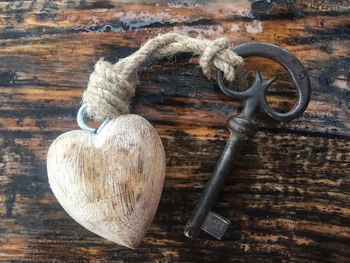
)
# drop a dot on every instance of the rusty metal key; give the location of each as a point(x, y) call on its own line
point(243, 127)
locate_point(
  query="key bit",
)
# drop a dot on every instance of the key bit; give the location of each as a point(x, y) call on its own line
point(215, 225)
point(243, 128)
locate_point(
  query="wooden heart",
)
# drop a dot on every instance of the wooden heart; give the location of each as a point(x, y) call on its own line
point(110, 183)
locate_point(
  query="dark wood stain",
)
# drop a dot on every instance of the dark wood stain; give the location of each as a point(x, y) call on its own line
point(289, 195)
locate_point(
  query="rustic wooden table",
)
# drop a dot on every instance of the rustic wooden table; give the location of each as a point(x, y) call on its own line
point(289, 197)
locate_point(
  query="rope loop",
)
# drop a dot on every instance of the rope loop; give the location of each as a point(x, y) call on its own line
point(111, 87)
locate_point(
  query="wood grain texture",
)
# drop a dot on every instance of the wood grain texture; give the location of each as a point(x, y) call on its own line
point(289, 197)
point(111, 182)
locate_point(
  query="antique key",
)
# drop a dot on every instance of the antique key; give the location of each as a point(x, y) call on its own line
point(243, 127)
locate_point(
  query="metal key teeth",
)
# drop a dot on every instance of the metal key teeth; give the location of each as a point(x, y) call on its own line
point(215, 225)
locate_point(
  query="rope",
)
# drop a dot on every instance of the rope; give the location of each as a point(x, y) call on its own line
point(112, 86)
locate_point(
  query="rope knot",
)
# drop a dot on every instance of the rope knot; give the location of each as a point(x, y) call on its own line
point(108, 94)
point(218, 55)
point(111, 87)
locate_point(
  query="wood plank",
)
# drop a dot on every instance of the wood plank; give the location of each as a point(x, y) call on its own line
point(288, 198)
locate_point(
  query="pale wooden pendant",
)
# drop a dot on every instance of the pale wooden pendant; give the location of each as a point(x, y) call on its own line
point(110, 183)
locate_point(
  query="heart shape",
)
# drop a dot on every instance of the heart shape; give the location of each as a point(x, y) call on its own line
point(110, 183)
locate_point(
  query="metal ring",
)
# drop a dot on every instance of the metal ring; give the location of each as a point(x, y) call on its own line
point(81, 116)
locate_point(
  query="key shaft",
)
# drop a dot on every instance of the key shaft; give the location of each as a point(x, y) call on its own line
point(241, 129)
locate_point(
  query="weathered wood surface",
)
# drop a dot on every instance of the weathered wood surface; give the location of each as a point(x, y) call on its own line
point(288, 199)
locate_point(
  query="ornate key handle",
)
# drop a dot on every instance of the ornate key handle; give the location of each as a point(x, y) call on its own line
point(257, 92)
point(242, 128)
